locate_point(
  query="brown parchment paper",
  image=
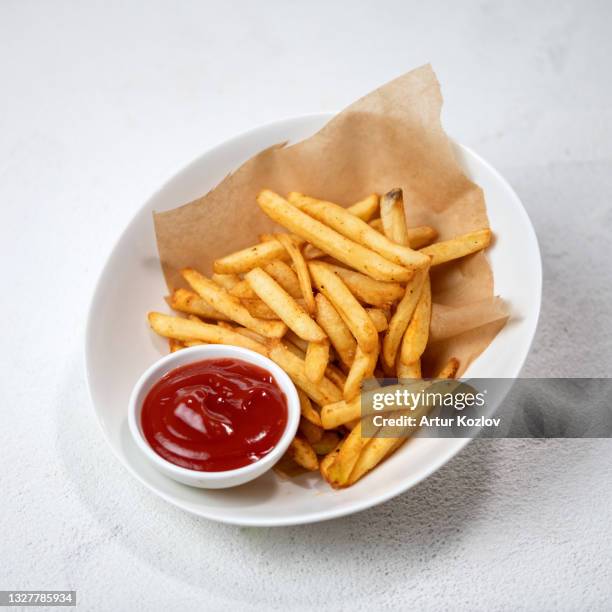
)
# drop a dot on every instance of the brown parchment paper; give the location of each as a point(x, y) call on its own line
point(390, 138)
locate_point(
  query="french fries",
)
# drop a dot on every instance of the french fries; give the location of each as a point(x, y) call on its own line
point(230, 306)
point(342, 298)
point(327, 239)
point(287, 309)
point(351, 311)
point(417, 332)
point(300, 269)
point(441, 252)
point(186, 330)
point(316, 360)
point(339, 334)
point(355, 229)
point(393, 218)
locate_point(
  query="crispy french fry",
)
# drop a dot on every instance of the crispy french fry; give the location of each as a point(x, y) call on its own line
point(338, 413)
point(335, 244)
point(317, 358)
point(368, 290)
point(365, 209)
point(190, 302)
point(409, 370)
point(249, 258)
point(418, 237)
point(311, 432)
point(307, 410)
point(230, 306)
point(248, 333)
point(417, 332)
point(328, 441)
point(284, 306)
point(295, 339)
point(301, 270)
point(259, 309)
point(284, 275)
point(186, 330)
point(339, 471)
point(339, 334)
point(355, 229)
point(286, 467)
point(441, 252)
point(189, 343)
point(323, 392)
point(242, 289)
point(378, 318)
point(401, 317)
point(335, 375)
point(175, 345)
point(363, 367)
point(393, 217)
point(328, 460)
point(303, 454)
point(227, 281)
point(351, 311)
point(450, 369)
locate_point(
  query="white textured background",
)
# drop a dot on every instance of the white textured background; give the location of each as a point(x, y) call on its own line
point(101, 102)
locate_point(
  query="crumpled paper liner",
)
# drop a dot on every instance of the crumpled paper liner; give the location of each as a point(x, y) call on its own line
point(390, 138)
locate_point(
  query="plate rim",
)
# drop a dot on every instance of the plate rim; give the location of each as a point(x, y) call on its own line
point(354, 506)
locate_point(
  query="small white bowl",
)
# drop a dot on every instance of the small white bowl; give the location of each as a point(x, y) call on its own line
point(212, 480)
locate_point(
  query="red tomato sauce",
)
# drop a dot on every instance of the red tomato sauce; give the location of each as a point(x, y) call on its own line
point(214, 415)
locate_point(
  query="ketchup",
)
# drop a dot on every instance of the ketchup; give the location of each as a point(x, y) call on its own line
point(214, 415)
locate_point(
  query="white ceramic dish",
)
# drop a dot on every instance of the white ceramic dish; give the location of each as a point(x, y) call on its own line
point(212, 480)
point(119, 345)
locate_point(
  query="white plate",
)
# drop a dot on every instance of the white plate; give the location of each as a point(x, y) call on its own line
point(119, 345)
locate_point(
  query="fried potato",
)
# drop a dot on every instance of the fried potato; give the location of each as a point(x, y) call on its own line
point(328, 460)
point(323, 392)
point(365, 209)
point(317, 358)
point(417, 332)
point(292, 337)
point(409, 370)
point(333, 243)
point(186, 330)
point(351, 311)
point(288, 310)
point(418, 237)
point(368, 290)
point(230, 306)
point(450, 369)
point(355, 229)
point(187, 301)
point(362, 368)
point(393, 217)
point(259, 309)
point(301, 270)
point(338, 413)
point(307, 410)
point(401, 317)
point(284, 275)
point(336, 329)
point(175, 345)
point(227, 281)
point(249, 258)
point(441, 252)
point(303, 454)
point(328, 441)
point(335, 375)
point(189, 343)
point(312, 433)
point(378, 318)
point(339, 471)
point(242, 289)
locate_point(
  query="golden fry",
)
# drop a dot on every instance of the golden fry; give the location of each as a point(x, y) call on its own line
point(351, 311)
point(393, 217)
point(441, 252)
point(378, 318)
point(303, 454)
point(307, 410)
point(190, 302)
point(242, 289)
point(366, 289)
point(401, 317)
point(230, 306)
point(339, 471)
point(409, 370)
point(339, 334)
point(186, 330)
point(311, 432)
point(320, 235)
point(362, 368)
point(283, 274)
point(417, 332)
point(353, 228)
point(328, 441)
point(284, 306)
point(175, 345)
point(365, 209)
point(227, 281)
point(450, 369)
point(249, 258)
point(301, 270)
point(317, 358)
